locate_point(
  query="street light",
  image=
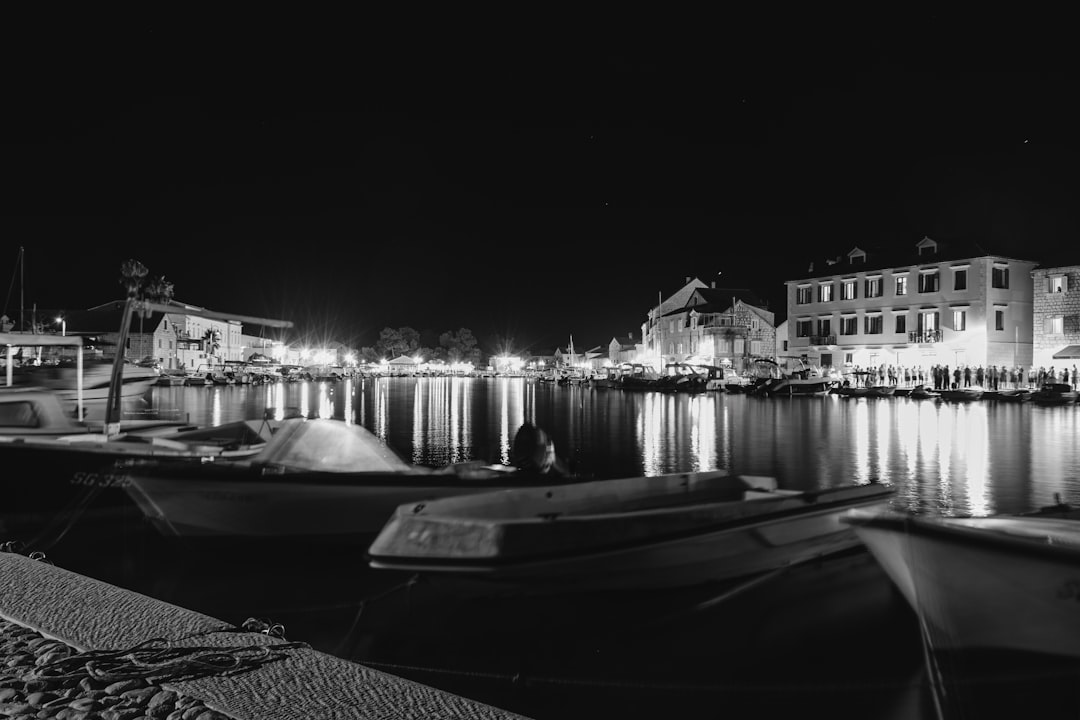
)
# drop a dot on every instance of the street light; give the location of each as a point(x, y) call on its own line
point(63, 325)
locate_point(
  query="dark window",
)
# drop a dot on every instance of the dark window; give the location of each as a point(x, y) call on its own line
point(960, 280)
point(1000, 278)
point(901, 324)
point(928, 282)
point(999, 319)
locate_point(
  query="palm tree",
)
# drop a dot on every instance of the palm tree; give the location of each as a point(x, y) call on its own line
point(211, 341)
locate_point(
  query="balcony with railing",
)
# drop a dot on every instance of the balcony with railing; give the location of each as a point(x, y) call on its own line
point(822, 339)
point(721, 329)
point(925, 337)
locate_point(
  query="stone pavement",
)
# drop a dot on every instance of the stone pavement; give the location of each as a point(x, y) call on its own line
point(124, 655)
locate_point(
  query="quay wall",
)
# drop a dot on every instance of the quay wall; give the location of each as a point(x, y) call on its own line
point(89, 616)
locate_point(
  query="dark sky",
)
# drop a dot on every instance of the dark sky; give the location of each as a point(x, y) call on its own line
point(524, 194)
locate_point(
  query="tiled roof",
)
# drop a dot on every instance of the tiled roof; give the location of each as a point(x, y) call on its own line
point(881, 257)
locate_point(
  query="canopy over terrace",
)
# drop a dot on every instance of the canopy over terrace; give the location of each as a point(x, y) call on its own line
point(14, 340)
point(1072, 352)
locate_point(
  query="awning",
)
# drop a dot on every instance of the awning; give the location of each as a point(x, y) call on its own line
point(1072, 352)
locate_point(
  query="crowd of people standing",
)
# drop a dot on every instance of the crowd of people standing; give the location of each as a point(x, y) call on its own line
point(943, 377)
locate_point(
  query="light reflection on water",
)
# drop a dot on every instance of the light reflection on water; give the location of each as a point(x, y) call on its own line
point(974, 458)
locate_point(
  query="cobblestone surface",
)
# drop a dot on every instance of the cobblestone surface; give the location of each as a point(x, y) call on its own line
point(31, 689)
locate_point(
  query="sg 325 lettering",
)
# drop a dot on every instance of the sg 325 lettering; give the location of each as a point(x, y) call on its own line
point(92, 479)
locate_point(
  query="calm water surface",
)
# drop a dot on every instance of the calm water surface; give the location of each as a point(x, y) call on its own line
point(951, 458)
point(831, 638)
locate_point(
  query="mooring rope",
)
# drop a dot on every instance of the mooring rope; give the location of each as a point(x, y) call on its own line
point(161, 659)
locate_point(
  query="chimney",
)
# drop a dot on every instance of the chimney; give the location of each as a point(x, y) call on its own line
point(687, 278)
point(713, 284)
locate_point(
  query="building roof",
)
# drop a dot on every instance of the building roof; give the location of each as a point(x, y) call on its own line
point(861, 258)
point(718, 300)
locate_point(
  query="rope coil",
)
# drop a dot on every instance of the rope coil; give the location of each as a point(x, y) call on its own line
point(159, 659)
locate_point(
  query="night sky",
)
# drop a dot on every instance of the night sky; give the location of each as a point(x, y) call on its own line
point(525, 194)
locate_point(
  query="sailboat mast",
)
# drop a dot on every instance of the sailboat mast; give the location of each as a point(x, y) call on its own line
point(22, 289)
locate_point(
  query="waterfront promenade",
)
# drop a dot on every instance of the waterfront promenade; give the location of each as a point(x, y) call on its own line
point(74, 647)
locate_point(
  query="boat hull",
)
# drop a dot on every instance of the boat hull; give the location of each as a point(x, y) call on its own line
point(350, 507)
point(987, 584)
point(692, 546)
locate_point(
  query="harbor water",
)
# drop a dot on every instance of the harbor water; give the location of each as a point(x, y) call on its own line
point(832, 637)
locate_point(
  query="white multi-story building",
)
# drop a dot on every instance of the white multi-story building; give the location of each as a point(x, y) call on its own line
point(935, 303)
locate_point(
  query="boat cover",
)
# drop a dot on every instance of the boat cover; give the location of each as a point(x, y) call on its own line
point(327, 445)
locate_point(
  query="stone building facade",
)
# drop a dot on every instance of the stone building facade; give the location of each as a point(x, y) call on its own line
point(706, 325)
point(1056, 316)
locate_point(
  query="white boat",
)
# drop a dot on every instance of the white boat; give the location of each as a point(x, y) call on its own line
point(135, 382)
point(665, 531)
point(316, 479)
point(59, 465)
point(1006, 582)
point(66, 465)
point(803, 380)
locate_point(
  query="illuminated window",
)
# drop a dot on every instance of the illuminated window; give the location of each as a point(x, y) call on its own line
point(849, 290)
point(901, 285)
point(1055, 325)
point(874, 287)
point(825, 292)
point(1057, 283)
point(803, 295)
point(959, 320)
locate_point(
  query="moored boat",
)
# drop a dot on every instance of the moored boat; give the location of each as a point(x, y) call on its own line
point(803, 380)
point(73, 461)
point(1054, 394)
point(638, 376)
point(315, 480)
point(921, 392)
point(672, 530)
point(966, 394)
point(1004, 582)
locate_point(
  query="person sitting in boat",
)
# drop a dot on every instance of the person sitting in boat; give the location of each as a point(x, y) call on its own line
point(534, 452)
